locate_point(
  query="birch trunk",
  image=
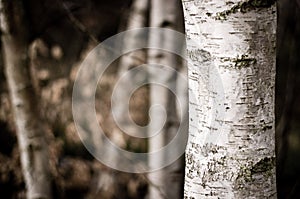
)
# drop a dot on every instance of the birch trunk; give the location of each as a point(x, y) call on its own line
point(167, 182)
point(231, 54)
point(138, 18)
point(30, 132)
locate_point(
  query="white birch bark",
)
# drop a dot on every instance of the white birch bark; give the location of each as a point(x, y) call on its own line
point(231, 54)
point(167, 182)
point(30, 129)
point(138, 18)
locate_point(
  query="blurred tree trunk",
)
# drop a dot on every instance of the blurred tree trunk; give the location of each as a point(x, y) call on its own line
point(138, 18)
point(287, 98)
point(166, 182)
point(30, 131)
point(231, 52)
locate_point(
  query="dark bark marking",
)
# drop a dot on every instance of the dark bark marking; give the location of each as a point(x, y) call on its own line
point(263, 165)
point(244, 61)
point(245, 7)
point(241, 61)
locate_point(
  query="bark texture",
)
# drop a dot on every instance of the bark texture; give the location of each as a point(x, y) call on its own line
point(166, 182)
point(231, 53)
point(30, 131)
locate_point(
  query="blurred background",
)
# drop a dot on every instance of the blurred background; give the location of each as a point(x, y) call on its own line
point(62, 32)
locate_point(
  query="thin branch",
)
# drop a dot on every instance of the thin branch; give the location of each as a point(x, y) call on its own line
point(154, 185)
point(81, 27)
point(141, 167)
point(78, 24)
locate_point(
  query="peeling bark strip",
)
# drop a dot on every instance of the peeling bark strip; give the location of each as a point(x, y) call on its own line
point(231, 147)
point(30, 132)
